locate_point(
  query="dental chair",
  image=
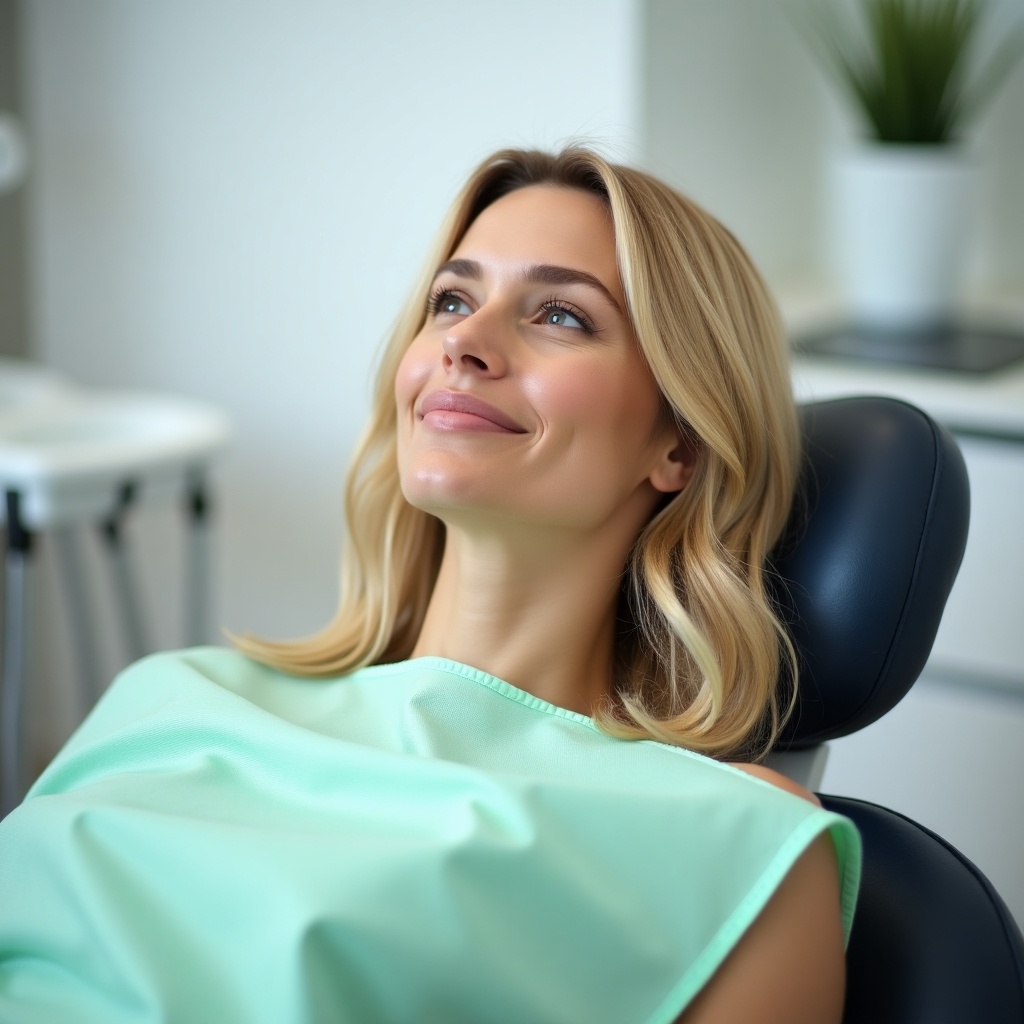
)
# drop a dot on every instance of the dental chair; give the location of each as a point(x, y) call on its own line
point(863, 573)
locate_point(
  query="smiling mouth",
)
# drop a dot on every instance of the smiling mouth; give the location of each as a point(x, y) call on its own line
point(459, 411)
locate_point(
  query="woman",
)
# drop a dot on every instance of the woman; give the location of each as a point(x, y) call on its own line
point(582, 449)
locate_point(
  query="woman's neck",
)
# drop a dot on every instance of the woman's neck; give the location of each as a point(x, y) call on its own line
point(539, 615)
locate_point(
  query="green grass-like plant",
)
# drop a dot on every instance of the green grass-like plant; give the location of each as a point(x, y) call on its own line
point(908, 65)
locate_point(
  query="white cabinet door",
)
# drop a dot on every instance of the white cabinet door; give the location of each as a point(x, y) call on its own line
point(982, 631)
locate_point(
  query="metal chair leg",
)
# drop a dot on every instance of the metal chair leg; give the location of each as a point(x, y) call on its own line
point(197, 577)
point(19, 546)
point(82, 624)
point(126, 586)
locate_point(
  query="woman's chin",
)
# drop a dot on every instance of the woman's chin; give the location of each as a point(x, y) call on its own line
point(464, 505)
point(439, 494)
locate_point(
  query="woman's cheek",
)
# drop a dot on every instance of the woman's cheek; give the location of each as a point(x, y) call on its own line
point(570, 396)
point(413, 372)
point(608, 398)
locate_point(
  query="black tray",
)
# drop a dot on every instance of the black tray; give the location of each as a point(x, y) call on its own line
point(959, 349)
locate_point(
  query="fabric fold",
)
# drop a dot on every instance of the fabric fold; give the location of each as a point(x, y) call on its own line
point(412, 842)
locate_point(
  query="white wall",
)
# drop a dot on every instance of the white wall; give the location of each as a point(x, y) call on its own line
point(231, 198)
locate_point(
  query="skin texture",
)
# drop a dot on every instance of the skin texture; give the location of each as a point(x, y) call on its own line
point(789, 968)
point(543, 491)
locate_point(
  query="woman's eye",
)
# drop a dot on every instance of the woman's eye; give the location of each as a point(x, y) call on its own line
point(450, 303)
point(556, 316)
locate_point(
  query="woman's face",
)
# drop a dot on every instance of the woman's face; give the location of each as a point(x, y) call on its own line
point(525, 395)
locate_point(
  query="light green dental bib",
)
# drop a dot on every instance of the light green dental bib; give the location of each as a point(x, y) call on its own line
point(418, 842)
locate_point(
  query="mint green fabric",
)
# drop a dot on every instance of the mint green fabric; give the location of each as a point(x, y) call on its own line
point(416, 842)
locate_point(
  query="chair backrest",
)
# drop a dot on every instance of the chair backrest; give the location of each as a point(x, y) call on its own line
point(868, 560)
point(932, 941)
point(864, 570)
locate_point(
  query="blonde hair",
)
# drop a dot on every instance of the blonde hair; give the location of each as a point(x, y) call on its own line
point(702, 661)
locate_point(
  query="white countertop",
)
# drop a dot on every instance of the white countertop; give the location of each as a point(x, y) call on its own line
point(989, 404)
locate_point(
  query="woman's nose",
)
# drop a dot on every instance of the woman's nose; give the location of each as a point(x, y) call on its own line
point(478, 345)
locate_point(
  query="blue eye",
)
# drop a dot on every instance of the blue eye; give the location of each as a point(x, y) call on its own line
point(448, 303)
point(560, 318)
point(554, 314)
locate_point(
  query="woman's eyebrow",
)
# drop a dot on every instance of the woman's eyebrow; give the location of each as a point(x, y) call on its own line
point(543, 273)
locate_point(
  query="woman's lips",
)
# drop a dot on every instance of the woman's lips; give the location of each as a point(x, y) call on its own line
point(457, 410)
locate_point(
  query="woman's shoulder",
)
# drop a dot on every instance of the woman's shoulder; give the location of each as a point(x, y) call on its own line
point(156, 686)
point(203, 668)
point(789, 965)
point(776, 778)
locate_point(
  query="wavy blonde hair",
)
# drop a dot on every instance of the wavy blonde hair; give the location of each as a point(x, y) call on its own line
point(702, 661)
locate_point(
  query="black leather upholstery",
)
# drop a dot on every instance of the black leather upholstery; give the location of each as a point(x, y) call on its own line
point(868, 561)
point(932, 942)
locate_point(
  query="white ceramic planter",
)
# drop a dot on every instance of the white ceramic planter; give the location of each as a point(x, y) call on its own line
point(902, 218)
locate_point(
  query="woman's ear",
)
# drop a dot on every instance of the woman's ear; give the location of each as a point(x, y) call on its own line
point(677, 460)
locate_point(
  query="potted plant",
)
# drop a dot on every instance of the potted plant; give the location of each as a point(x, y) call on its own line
point(903, 193)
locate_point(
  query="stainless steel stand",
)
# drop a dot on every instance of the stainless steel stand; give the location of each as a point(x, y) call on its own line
point(19, 547)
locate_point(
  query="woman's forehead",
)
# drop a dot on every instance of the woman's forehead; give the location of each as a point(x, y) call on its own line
point(548, 225)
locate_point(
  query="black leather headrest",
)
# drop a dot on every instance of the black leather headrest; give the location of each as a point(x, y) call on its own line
point(868, 559)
